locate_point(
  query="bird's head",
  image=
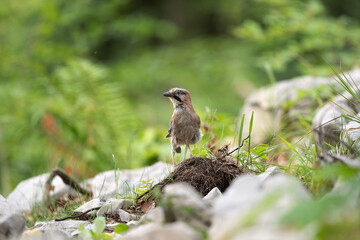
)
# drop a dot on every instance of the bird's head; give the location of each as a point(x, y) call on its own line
point(178, 96)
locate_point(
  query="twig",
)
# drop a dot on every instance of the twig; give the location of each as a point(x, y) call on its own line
point(76, 216)
point(160, 185)
point(316, 128)
point(330, 158)
point(242, 144)
point(333, 137)
point(67, 180)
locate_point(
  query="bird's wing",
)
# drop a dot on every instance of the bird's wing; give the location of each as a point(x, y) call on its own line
point(169, 131)
point(197, 121)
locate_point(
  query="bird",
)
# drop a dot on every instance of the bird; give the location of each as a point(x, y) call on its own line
point(185, 123)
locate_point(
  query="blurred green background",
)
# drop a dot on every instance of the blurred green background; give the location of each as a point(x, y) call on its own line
point(81, 82)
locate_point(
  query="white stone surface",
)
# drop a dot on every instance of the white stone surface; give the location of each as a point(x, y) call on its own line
point(250, 201)
point(5, 207)
point(271, 233)
point(106, 185)
point(112, 206)
point(156, 215)
point(70, 227)
point(30, 192)
point(38, 234)
point(212, 196)
point(173, 231)
point(267, 104)
point(11, 226)
point(270, 172)
point(186, 205)
point(351, 133)
point(183, 194)
point(94, 203)
point(125, 216)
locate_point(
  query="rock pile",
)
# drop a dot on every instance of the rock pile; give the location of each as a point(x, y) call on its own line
point(250, 203)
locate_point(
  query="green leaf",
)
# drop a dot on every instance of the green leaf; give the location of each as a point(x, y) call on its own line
point(105, 236)
point(120, 228)
point(99, 225)
point(84, 233)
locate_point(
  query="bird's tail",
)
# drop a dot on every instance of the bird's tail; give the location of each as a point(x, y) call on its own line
point(178, 149)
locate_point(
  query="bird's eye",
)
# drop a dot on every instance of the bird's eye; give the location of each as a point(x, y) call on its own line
point(179, 92)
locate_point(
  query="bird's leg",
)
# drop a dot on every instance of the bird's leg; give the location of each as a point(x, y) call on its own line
point(186, 148)
point(173, 157)
point(189, 150)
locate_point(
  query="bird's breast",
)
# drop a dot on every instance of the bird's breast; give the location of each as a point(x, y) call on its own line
point(186, 127)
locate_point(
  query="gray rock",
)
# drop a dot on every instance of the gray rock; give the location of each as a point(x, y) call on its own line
point(183, 194)
point(112, 206)
point(270, 172)
point(38, 234)
point(30, 192)
point(351, 133)
point(353, 130)
point(69, 227)
point(11, 226)
point(271, 233)
point(184, 203)
point(110, 185)
point(249, 201)
point(156, 215)
point(328, 121)
point(94, 203)
point(267, 104)
point(173, 231)
point(212, 196)
point(5, 208)
point(132, 224)
point(125, 216)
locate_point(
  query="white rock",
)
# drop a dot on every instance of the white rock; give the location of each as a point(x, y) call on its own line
point(132, 224)
point(125, 216)
point(184, 195)
point(70, 227)
point(270, 172)
point(94, 203)
point(38, 234)
point(186, 205)
point(212, 196)
point(250, 201)
point(173, 231)
point(112, 206)
point(30, 192)
point(108, 184)
point(267, 104)
point(5, 208)
point(11, 226)
point(328, 120)
point(351, 133)
point(155, 215)
point(271, 233)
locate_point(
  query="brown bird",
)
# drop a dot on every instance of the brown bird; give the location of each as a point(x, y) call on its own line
point(185, 123)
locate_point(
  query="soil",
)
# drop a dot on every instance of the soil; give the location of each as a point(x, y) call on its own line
point(203, 174)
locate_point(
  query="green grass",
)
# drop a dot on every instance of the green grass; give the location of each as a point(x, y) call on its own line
point(61, 209)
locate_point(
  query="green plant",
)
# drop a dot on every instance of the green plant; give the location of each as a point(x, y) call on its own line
point(333, 215)
point(302, 162)
point(97, 230)
point(145, 185)
point(252, 158)
point(61, 208)
point(294, 36)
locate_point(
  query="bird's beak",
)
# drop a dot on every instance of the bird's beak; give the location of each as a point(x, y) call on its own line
point(167, 94)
